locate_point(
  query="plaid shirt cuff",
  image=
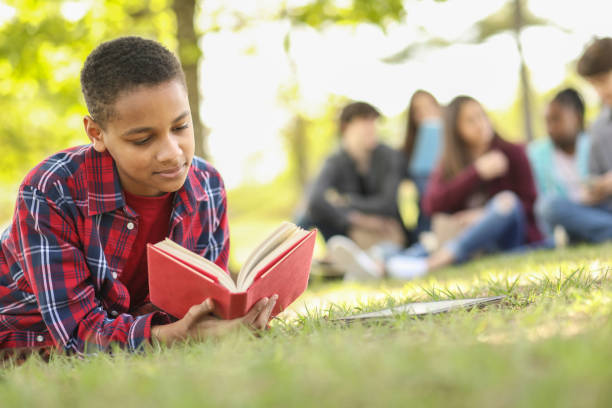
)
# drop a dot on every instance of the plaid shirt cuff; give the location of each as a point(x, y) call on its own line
point(140, 331)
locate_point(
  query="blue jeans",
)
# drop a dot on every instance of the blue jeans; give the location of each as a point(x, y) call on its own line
point(501, 228)
point(582, 222)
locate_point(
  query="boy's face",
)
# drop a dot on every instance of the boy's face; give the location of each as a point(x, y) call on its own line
point(150, 137)
point(562, 124)
point(360, 136)
point(603, 85)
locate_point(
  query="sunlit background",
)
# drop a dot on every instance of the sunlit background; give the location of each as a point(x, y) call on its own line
point(273, 75)
point(243, 71)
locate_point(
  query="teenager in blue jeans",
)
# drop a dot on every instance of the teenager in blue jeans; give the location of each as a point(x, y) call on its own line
point(590, 217)
point(483, 183)
point(560, 165)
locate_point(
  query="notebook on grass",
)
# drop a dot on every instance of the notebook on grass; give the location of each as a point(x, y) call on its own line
point(424, 308)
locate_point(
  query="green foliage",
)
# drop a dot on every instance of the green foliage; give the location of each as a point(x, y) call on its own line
point(41, 52)
point(323, 12)
point(504, 20)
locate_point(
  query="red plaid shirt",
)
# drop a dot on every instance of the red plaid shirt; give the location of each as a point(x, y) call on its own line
point(68, 243)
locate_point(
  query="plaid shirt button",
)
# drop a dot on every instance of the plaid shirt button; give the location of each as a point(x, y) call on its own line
point(40, 338)
point(114, 275)
point(114, 313)
point(130, 226)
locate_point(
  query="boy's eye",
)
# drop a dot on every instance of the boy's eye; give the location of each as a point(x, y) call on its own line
point(182, 127)
point(141, 141)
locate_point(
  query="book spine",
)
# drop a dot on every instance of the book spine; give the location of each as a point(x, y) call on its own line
point(238, 306)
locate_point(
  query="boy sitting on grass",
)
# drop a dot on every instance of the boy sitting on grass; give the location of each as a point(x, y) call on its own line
point(73, 267)
point(595, 65)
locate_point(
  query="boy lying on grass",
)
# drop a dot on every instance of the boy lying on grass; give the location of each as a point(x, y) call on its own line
point(73, 267)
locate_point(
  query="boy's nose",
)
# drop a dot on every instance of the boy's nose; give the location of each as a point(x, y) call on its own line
point(170, 149)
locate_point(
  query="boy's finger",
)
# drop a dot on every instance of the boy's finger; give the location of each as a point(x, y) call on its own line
point(257, 308)
point(196, 312)
point(264, 316)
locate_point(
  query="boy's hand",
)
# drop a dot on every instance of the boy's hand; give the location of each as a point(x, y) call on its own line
point(200, 323)
point(335, 198)
point(368, 222)
point(598, 189)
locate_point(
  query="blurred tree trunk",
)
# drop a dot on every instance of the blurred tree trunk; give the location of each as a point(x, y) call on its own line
point(525, 84)
point(512, 17)
point(296, 131)
point(299, 148)
point(190, 54)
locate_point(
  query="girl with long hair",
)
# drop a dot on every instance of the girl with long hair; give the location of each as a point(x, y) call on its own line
point(484, 189)
point(422, 145)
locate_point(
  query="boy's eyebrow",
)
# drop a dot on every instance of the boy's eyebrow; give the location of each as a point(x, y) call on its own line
point(181, 116)
point(147, 128)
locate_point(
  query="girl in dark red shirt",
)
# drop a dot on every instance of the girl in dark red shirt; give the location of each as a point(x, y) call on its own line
point(484, 189)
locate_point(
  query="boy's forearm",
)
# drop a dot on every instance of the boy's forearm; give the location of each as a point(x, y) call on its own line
point(166, 334)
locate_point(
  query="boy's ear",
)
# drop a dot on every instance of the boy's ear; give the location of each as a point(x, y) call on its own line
point(94, 133)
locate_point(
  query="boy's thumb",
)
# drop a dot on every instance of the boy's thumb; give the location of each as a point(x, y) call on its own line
point(204, 308)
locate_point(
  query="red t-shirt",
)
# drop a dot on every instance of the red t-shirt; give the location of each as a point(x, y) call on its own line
point(153, 226)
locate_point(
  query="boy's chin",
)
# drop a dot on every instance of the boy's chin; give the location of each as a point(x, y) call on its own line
point(170, 186)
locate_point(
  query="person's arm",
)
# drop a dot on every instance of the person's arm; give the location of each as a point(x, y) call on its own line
point(318, 205)
point(384, 202)
point(539, 167)
point(55, 267)
point(449, 195)
point(599, 184)
point(597, 161)
point(217, 248)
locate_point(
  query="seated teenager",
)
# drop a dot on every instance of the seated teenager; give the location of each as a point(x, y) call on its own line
point(595, 65)
point(482, 188)
point(355, 194)
point(73, 266)
point(422, 145)
point(560, 165)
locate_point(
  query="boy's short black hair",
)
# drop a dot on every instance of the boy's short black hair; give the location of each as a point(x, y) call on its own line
point(121, 64)
point(571, 98)
point(597, 58)
point(356, 110)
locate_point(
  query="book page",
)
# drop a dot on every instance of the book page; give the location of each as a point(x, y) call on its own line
point(277, 237)
point(275, 252)
point(191, 257)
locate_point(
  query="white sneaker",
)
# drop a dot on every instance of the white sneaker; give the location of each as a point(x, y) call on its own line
point(560, 236)
point(356, 263)
point(406, 267)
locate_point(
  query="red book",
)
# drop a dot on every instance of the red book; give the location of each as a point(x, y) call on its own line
point(179, 278)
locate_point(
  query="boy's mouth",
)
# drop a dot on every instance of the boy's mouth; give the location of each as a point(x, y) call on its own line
point(171, 173)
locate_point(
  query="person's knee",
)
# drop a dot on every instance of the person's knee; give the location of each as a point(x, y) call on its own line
point(551, 209)
point(506, 203)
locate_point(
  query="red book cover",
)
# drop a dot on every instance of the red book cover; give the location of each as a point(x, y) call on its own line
point(175, 285)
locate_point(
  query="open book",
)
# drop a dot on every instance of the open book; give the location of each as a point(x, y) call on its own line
point(424, 308)
point(180, 278)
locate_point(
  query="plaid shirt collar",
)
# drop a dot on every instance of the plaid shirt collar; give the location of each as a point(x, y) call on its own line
point(105, 193)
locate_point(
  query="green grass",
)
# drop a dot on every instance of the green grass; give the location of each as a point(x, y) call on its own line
point(548, 344)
